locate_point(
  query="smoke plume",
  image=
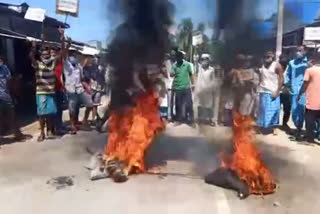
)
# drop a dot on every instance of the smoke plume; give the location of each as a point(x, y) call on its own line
point(235, 20)
point(141, 39)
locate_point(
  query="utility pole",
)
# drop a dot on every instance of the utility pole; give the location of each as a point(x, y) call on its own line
point(280, 28)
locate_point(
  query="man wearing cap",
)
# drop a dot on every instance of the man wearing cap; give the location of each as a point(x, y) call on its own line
point(183, 77)
point(208, 91)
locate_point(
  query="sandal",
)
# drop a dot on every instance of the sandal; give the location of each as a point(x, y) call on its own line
point(212, 124)
point(73, 131)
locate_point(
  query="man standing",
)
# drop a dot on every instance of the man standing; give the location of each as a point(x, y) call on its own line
point(183, 75)
point(294, 81)
point(59, 88)
point(244, 85)
point(7, 112)
point(95, 81)
point(311, 87)
point(45, 90)
point(108, 81)
point(74, 84)
point(208, 91)
point(271, 75)
point(169, 61)
point(285, 97)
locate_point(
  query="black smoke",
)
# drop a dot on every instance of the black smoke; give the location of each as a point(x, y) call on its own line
point(237, 19)
point(141, 39)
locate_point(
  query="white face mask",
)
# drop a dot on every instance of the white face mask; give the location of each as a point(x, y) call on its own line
point(1, 63)
point(300, 54)
point(205, 63)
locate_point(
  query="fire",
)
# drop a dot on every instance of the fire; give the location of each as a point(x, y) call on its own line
point(246, 160)
point(132, 130)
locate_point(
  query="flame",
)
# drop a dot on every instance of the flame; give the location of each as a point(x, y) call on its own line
point(246, 160)
point(132, 130)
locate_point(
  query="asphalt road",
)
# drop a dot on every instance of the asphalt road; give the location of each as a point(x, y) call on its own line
point(184, 155)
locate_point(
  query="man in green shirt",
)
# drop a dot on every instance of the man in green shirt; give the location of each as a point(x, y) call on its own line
point(182, 72)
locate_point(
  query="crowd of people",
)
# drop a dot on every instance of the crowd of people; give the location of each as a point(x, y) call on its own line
point(64, 79)
point(252, 87)
point(61, 82)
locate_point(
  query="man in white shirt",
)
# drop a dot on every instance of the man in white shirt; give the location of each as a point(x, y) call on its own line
point(208, 91)
point(76, 91)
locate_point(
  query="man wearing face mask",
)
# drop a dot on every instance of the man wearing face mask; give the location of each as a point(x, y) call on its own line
point(244, 85)
point(45, 90)
point(208, 91)
point(95, 85)
point(74, 84)
point(271, 75)
point(294, 82)
point(182, 85)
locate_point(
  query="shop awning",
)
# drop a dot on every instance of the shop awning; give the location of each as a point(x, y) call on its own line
point(14, 21)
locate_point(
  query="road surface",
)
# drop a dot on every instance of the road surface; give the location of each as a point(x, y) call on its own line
point(185, 154)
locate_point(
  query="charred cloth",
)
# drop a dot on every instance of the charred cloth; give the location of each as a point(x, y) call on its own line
point(227, 178)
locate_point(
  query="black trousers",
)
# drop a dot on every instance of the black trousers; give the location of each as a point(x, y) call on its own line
point(59, 103)
point(285, 100)
point(184, 105)
point(311, 117)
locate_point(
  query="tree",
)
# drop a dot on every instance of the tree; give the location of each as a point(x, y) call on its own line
point(201, 27)
point(185, 36)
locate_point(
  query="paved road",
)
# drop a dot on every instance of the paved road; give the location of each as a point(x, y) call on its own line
point(184, 153)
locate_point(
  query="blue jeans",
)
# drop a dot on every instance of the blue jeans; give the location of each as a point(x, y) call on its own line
point(76, 100)
point(184, 105)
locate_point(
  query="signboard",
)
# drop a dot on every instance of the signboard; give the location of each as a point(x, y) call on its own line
point(197, 40)
point(69, 7)
point(35, 14)
point(312, 33)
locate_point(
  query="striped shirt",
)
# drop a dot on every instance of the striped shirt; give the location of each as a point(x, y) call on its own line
point(45, 78)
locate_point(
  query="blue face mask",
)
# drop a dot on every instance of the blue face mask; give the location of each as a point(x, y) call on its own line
point(299, 55)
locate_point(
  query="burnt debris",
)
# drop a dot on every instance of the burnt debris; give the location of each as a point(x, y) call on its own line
point(227, 178)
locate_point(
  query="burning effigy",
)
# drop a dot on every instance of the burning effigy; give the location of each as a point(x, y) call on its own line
point(131, 132)
point(243, 170)
point(139, 43)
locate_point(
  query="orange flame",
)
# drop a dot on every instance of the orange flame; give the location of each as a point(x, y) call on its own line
point(131, 132)
point(246, 160)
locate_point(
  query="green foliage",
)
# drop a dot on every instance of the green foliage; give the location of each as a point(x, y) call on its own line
point(184, 40)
